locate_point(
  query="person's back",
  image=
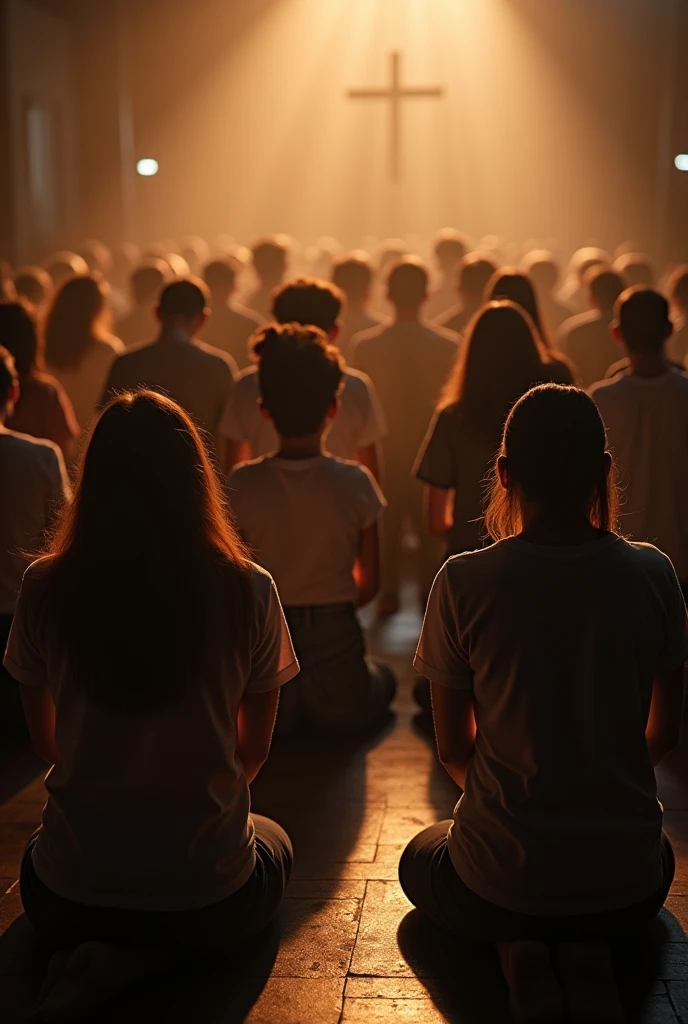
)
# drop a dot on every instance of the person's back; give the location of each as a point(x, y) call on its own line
point(472, 276)
point(353, 275)
point(230, 324)
point(269, 259)
point(543, 270)
point(450, 248)
point(587, 338)
point(195, 375)
point(645, 412)
point(146, 282)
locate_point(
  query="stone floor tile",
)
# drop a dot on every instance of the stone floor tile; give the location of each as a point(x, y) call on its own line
point(385, 988)
point(299, 1000)
point(329, 889)
point(387, 1011)
point(377, 949)
point(318, 938)
point(384, 866)
point(401, 825)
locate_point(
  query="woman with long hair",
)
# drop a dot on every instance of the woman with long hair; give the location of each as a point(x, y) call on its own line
point(517, 287)
point(556, 660)
point(149, 652)
point(79, 348)
point(43, 409)
point(501, 358)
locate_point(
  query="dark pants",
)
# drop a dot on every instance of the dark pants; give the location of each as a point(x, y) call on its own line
point(431, 883)
point(218, 928)
point(338, 690)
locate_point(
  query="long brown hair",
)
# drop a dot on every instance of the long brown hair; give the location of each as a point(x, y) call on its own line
point(147, 579)
point(500, 359)
point(76, 318)
point(554, 443)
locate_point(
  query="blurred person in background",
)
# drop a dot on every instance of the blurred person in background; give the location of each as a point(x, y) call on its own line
point(231, 325)
point(587, 338)
point(472, 276)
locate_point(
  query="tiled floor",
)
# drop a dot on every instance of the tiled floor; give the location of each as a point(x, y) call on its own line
point(349, 949)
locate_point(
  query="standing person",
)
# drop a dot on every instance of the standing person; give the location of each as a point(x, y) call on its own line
point(65, 264)
point(556, 846)
point(269, 259)
point(573, 292)
point(149, 859)
point(43, 408)
point(511, 284)
point(34, 485)
point(353, 275)
point(472, 276)
point(587, 338)
point(645, 412)
point(198, 377)
point(677, 292)
point(230, 325)
point(312, 521)
point(408, 362)
point(635, 268)
point(79, 348)
point(146, 283)
point(449, 248)
point(359, 426)
point(543, 270)
point(34, 286)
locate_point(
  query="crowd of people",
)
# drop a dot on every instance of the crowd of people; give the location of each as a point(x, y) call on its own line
point(211, 461)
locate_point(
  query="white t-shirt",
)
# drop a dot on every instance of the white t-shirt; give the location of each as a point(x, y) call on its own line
point(148, 812)
point(85, 383)
point(302, 519)
point(34, 485)
point(647, 429)
point(559, 647)
point(359, 421)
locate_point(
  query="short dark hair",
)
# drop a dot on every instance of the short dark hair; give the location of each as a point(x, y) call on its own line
point(450, 247)
point(353, 274)
point(270, 257)
point(308, 300)
point(33, 284)
point(542, 268)
point(474, 272)
point(187, 298)
point(408, 281)
point(643, 318)
point(677, 286)
point(636, 268)
point(148, 279)
point(605, 286)
point(300, 375)
point(18, 336)
point(221, 273)
point(8, 377)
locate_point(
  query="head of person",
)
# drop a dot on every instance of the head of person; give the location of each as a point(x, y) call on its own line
point(636, 269)
point(196, 251)
point(184, 305)
point(542, 269)
point(552, 464)
point(9, 384)
point(147, 531)
point(390, 252)
point(408, 285)
point(677, 289)
point(147, 281)
point(19, 337)
point(500, 359)
point(78, 314)
point(585, 258)
point(449, 249)
point(604, 287)
point(97, 255)
point(308, 300)
point(33, 285)
point(472, 276)
point(270, 257)
point(353, 275)
point(642, 322)
point(220, 276)
point(300, 374)
point(517, 287)
point(63, 265)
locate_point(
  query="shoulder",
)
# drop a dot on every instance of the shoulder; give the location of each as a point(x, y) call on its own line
point(576, 324)
point(246, 315)
point(443, 337)
point(472, 571)
point(214, 357)
point(365, 342)
point(646, 557)
point(247, 472)
point(608, 390)
point(32, 449)
point(246, 382)
point(112, 342)
point(357, 383)
point(351, 477)
point(678, 379)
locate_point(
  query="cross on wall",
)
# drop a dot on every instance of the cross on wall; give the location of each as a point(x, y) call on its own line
point(396, 93)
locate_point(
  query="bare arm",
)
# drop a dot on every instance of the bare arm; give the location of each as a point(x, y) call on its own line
point(231, 453)
point(371, 457)
point(455, 729)
point(367, 566)
point(664, 723)
point(255, 723)
point(435, 511)
point(39, 712)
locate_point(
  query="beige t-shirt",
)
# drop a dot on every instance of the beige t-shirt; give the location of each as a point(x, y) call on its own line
point(84, 384)
point(559, 647)
point(647, 430)
point(34, 483)
point(303, 518)
point(149, 812)
point(359, 421)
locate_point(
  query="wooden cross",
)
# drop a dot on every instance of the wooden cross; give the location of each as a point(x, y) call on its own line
point(395, 92)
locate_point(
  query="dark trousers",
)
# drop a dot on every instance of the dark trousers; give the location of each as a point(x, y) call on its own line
point(431, 883)
point(218, 928)
point(338, 690)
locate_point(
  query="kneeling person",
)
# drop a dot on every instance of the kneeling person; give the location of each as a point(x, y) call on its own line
point(312, 520)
